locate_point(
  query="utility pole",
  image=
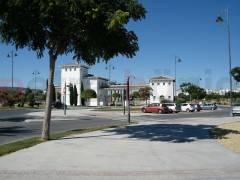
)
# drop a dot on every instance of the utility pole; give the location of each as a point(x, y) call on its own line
point(65, 99)
point(176, 60)
point(220, 20)
point(128, 100)
point(11, 55)
point(35, 73)
point(109, 68)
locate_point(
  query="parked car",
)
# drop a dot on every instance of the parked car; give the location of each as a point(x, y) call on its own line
point(155, 108)
point(174, 107)
point(209, 106)
point(187, 107)
point(236, 109)
point(58, 105)
point(197, 107)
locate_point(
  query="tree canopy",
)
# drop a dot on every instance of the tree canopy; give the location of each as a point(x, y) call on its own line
point(90, 29)
point(193, 90)
point(236, 73)
point(89, 93)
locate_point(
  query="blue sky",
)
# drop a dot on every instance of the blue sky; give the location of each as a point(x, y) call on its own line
point(183, 28)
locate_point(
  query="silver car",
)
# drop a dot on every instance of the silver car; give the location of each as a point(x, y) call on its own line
point(236, 109)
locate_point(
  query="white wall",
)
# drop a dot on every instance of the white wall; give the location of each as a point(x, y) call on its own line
point(161, 88)
point(74, 76)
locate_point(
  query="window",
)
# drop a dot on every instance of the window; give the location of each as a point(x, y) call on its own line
point(70, 69)
point(158, 84)
point(65, 69)
point(169, 97)
point(153, 84)
point(164, 84)
point(74, 69)
point(169, 83)
point(154, 97)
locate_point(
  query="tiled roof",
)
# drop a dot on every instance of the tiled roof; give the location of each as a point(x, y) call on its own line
point(164, 78)
point(74, 65)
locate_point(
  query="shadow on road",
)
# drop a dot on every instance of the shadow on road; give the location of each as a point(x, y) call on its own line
point(174, 133)
point(13, 131)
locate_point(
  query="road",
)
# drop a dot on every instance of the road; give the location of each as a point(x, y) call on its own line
point(14, 127)
point(177, 149)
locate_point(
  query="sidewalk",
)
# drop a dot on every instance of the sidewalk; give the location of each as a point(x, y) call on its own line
point(149, 150)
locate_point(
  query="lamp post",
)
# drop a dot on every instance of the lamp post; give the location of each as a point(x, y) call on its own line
point(35, 73)
point(176, 60)
point(109, 68)
point(11, 55)
point(220, 19)
point(128, 98)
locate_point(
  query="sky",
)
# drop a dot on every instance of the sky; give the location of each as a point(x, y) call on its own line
point(182, 28)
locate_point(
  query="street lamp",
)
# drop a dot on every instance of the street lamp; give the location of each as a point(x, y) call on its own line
point(109, 68)
point(176, 60)
point(128, 97)
point(35, 73)
point(220, 19)
point(11, 55)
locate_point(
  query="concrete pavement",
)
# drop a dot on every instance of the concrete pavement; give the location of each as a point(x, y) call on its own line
point(148, 150)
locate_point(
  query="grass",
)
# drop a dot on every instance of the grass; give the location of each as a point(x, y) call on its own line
point(228, 135)
point(26, 143)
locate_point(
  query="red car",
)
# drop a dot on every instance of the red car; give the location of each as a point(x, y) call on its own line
point(155, 108)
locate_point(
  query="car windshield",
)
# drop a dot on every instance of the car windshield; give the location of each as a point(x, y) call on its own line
point(238, 104)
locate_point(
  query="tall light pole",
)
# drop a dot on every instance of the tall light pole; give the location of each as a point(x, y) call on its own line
point(128, 98)
point(109, 68)
point(35, 73)
point(176, 60)
point(220, 19)
point(11, 55)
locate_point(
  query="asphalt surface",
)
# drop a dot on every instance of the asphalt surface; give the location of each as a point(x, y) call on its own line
point(13, 126)
point(178, 149)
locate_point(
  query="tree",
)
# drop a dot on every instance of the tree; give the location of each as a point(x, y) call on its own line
point(82, 99)
point(54, 94)
point(135, 95)
point(145, 93)
point(236, 73)
point(194, 91)
point(75, 96)
point(88, 94)
point(116, 96)
point(71, 94)
point(58, 96)
point(90, 30)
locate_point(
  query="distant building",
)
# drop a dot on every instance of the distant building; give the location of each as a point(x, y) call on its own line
point(77, 74)
point(162, 88)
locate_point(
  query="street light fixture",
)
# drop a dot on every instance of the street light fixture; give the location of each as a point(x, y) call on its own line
point(220, 19)
point(11, 55)
point(35, 73)
point(176, 60)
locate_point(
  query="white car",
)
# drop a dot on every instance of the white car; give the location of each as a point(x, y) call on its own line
point(187, 107)
point(174, 107)
point(236, 109)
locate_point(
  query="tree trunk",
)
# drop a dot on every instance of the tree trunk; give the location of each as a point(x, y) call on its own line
point(47, 117)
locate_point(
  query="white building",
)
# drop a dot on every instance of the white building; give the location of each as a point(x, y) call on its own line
point(162, 88)
point(77, 74)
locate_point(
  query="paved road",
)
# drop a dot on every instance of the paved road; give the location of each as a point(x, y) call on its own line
point(179, 149)
point(13, 126)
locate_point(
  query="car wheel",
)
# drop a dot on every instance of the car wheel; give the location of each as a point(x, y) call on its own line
point(159, 111)
point(187, 110)
point(144, 110)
